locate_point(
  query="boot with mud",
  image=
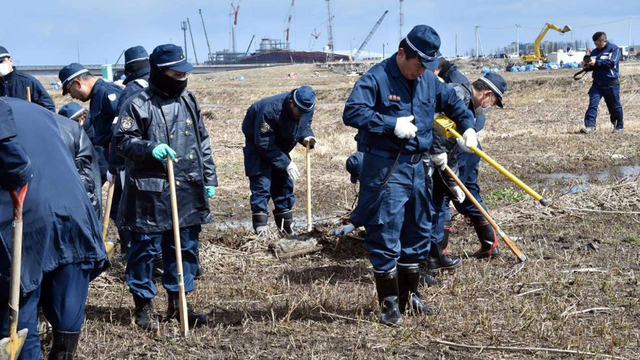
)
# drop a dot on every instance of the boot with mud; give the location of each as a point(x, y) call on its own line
point(387, 288)
point(409, 296)
point(488, 241)
point(259, 221)
point(438, 260)
point(193, 318)
point(284, 221)
point(64, 345)
point(145, 317)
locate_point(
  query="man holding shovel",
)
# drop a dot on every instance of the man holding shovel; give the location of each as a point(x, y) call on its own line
point(272, 127)
point(163, 123)
point(62, 248)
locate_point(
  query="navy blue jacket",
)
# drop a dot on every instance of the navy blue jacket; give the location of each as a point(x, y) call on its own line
point(60, 225)
point(15, 166)
point(372, 109)
point(132, 88)
point(271, 133)
point(15, 85)
point(103, 110)
point(451, 75)
point(607, 68)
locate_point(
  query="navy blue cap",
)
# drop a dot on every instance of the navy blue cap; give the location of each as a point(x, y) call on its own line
point(497, 84)
point(305, 99)
point(4, 52)
point(69, 73)
point(169, 56)
point(425, 41)
point(71, 110)
point(135, 54)
point(354, 166)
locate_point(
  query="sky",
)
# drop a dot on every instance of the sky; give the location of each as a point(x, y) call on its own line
point(49, 32)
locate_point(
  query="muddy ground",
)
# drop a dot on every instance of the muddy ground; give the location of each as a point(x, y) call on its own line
point(578, 292)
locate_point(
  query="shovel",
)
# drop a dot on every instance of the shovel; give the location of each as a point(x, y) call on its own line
point(308, 171)
point(108, 245)
point(184, 324)
point(28, 94)
point(10, 347)
point(447, 128)
point(512, 246)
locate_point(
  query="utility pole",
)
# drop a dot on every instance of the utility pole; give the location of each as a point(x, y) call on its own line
point(330, 30)
point(629, 40)
point(456, 48)
point(206, 37)
point(477, 40)
point(518, 39)
point(78, 49)
point(183, 25)
point(401, 22)
point(193, 44)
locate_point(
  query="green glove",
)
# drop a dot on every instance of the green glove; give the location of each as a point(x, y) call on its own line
point(211, 190)
point(161, 152)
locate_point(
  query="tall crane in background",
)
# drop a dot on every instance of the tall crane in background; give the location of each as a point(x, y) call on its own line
point(330, 30)
point(193, 44)
point(401, 22)
point(366, 41)
point(315, 34)
point(234, 13)
point(210, 56)
point(287, 31)
point(183, 26)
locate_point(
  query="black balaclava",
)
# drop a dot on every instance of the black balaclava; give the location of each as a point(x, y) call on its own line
point(168, 86)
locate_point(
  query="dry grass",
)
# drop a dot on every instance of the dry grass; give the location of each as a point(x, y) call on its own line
point(323, 306)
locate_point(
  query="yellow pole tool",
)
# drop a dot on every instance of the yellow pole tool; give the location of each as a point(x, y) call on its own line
point(447, 128)
point(512, 246)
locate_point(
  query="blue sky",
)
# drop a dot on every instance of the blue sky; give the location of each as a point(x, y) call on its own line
point(46, 31)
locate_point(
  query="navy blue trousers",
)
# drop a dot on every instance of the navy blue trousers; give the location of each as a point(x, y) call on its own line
point(62, 296)
point(468, 164)
point(611, 95)
point(274, 184)
point(397, 215)
point(145, 248)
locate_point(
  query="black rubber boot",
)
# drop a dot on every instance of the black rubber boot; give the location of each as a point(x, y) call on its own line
point(64, 345)
point(387, 288)
point(426, 276)
point(145, 317)
point(488, 241)
point(284, 221)
point(193, 318)
point(445, 238)
point(259, 221)
point(408, 280)
point(439, 261)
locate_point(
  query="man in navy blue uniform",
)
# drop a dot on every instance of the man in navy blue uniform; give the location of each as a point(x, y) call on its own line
point(14, 83)
point(393, 106)
point(62, 247)
point(161, 121)
point(136, 68)
point(78, 82)
point(272, 127)
point(605, 64)
point(479, 97)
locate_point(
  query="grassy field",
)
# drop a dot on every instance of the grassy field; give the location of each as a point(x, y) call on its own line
point(578, 292)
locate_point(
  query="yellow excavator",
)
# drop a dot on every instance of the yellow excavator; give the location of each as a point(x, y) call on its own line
point(537, 55)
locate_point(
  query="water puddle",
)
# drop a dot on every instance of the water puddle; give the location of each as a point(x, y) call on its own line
point(606, 175)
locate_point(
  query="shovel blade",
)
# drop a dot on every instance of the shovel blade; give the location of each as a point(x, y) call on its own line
point(111, 250)
point(10, 347)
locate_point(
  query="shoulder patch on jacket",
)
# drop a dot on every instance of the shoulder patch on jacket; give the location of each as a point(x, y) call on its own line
point(264, 128)
point(127, 123)
point(112, 97)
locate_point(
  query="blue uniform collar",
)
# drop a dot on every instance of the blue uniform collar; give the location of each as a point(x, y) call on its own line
point(96, 86)
point(394, 69)
point(138, 74)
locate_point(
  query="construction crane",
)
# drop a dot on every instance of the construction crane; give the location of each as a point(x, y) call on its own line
point(193, 44)
point(330, 32)
point(315, 34)
point(249, 47)
point(234, 13)
point(366, 41)
point(537, 55)
point(210, 56)
point(288, 20)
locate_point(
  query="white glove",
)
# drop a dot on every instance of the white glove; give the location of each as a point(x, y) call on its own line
point(469, 139)
point(404, 128)
point(293, 172)
point(440, 160)
point(311, 140)
point(457, 193)
point(110, 177)
point(344, 230)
